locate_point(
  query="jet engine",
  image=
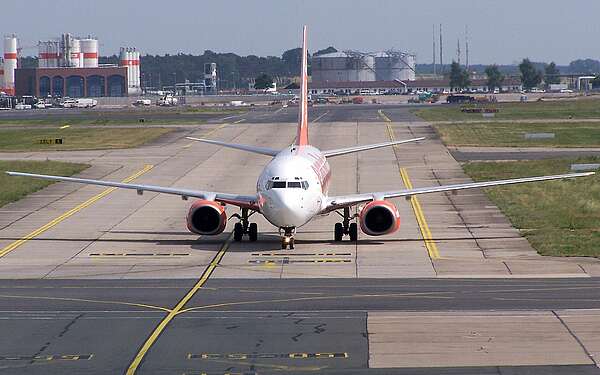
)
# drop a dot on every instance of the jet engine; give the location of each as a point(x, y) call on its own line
point(206, 217)
point(378, 218)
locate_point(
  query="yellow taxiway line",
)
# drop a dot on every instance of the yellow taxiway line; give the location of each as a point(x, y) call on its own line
point(6, 250)
point(430, 244)
point(178, 308)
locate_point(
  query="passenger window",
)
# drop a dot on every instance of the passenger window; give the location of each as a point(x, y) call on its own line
point(278, 184)
point(294, 184)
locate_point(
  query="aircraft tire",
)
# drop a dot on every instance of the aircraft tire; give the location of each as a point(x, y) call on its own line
point(338, 232)
point(253, 232)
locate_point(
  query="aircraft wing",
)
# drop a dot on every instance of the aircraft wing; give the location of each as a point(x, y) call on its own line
point(336, 202)
point(254, 149)
point(348, 150)
point(245, 201)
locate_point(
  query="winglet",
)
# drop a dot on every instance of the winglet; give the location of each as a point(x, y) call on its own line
point(302, 135)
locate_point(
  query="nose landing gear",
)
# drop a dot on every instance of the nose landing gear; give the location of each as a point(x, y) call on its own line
point(245, 227)
point(287, 238)
point(346, 227)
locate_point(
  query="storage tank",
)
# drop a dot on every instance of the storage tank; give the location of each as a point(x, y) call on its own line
point(1, 73)
point(42, 54)
point(136, 69)
point(123, 62)
point(343, 66)
point(393, 65)
point(130, 67)
point(10, 63)
point(89, 48)
point(75, 60)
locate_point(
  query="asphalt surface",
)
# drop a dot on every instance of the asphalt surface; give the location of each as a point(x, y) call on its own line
point(361, 315)
point(247, 326)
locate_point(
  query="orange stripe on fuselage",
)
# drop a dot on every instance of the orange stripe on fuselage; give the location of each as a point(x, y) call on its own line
point(302, 135)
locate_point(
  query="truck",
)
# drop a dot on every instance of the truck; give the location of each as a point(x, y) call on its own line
point(167, 101)
point(85, 103)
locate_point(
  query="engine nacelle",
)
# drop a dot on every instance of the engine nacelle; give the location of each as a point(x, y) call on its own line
point(206, 217)
point(379, 218)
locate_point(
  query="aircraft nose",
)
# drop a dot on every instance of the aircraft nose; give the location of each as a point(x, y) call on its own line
point(287, 208)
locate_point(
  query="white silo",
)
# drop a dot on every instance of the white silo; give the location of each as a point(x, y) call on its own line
point(130, 82)
point(136, 68)
point(123, 62)
point(10, 63)
point(51, 52)
point(75, 53)
point(42, 55)
point(1, 73)
point(89, 48)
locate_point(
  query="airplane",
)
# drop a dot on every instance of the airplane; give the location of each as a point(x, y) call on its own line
point(293, 189)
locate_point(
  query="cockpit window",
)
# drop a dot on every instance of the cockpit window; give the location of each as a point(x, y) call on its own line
point(275, 184)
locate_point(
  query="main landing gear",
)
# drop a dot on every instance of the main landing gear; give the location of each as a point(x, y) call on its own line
point(245, 227)
point(287, 238)
point(346, 227)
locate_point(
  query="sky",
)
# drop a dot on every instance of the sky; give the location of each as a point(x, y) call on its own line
point(501, 31)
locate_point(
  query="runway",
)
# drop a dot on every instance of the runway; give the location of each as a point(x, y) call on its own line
point(94, 280)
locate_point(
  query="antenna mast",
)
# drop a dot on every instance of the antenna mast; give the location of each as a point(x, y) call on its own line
point(434, 66)
point(441, 51)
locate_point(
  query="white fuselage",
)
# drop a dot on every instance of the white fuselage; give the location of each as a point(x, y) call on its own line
point(293, 186)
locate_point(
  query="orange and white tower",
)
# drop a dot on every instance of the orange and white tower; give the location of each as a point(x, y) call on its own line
point(10, 64)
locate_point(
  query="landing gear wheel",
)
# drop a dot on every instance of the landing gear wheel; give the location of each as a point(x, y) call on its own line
point(238, 232)
point(287, 238)
point(353, 232)
point(253, 232)
point(338, 232)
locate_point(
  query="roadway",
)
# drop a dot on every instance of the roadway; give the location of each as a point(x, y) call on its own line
point(94, 278)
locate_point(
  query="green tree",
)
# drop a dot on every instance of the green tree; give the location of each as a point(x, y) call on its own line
point(530, 76)
point(459, 77)
point(494, 77)
point(263, 81)
point(552, 74)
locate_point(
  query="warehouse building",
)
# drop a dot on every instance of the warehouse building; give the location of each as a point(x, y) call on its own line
point(72, 82)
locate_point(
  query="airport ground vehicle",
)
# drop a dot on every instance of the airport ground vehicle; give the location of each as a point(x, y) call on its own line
point(461, 99)
point(293, 189)
point(142, 102)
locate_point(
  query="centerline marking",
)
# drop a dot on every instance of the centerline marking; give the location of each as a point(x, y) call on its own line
point(179, 307)
point(6, 250)
point(430, 244)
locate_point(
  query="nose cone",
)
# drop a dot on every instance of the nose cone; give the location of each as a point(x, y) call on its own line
point(285, 208)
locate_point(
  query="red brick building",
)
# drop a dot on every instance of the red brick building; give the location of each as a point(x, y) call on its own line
point(72, 82)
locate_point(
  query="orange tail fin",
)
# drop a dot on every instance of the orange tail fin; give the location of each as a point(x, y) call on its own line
point(302, 135)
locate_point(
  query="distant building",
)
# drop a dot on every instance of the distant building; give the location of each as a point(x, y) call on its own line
point(72, 82)
point(401, 87)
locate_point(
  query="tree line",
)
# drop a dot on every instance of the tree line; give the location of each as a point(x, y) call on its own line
point(530, 75)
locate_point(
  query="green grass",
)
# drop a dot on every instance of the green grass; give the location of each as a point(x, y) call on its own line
point(499, 134)
point(14, 188)
point(167, 116)
point(558, 218)
point(576, 109)
point(77, 138)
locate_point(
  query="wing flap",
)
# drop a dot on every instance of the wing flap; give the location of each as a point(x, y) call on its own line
point(254, 149)
point(348, 150)
point(337, 202)
point(247, 201)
